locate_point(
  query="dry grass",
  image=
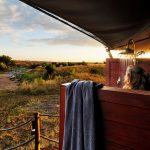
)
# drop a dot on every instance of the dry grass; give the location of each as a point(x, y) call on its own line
point(17, 108)
point(40, 96)
point(92, 77)
point(38, 86)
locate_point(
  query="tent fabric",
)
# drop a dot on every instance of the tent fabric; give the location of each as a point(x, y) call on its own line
point(115, 22)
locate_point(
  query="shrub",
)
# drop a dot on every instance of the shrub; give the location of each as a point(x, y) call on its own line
point(70, 64)
point(6, 59)
point(38, 86)
point(50, 68)
point(73, 71)
point(3, 66)
point(99, 71)
point(33, 66)
point(64, 64)
point(83, 63)
point(94, 71)
point(49, 71)
point(28, 77)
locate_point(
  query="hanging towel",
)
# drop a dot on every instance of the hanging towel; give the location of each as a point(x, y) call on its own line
point(79, 130)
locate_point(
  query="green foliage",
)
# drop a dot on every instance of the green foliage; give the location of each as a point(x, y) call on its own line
point(99, 71)
point(6, 59)
point(3, 66)
point(5, 62)
point(60, 64)
point(71, 64)
point(35, 94)
point(38, 86)
point(28, 77)
point(83, 63)
point(50, 68)
point(49, 71)
point(73, 71)
point(65, 64)
point(94, 71)
point(33, 66)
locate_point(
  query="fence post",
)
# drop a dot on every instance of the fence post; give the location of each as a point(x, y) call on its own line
point(37, 131)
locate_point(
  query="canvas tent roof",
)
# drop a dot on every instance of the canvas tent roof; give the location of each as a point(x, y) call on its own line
point(113, 22)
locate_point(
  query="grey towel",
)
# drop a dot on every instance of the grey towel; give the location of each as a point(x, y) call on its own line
point(79, 131)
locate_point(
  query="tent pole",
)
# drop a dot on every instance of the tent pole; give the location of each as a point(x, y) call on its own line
point(109, 53)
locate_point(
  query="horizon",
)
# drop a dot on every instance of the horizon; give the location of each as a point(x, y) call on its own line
point(58, 61)
point(27, 34)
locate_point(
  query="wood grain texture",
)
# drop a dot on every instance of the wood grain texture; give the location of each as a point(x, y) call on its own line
point(116, 68)
point(62, 115)
point(126, 118)
point(128, 136)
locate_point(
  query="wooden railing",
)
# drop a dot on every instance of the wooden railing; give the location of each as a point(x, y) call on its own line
point(126, 118)
point(35, 131)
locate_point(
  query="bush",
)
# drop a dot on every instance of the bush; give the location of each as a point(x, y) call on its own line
point(33, 66)
point(94, 71)
point(49, 71)
point(3, 66)
point(28, 77)
point(71, 64)
point(38, 86)
point(50, 68)
point(83, 63)
point(99, 71)
point(6, 60)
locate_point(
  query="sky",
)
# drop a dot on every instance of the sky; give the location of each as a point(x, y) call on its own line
point(27, 34)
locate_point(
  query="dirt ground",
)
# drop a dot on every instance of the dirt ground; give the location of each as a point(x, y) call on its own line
point(6, 83)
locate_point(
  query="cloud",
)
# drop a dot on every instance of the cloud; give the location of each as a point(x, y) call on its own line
point(67, 38)
point(18, 19)
point(8, 16)
point(19, 16)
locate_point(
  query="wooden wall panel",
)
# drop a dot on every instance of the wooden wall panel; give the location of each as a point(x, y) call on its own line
point(126, 117)
point(116, 68)
point(128, 136)
point(135, 98)
point(114, 146)
point(62, 115)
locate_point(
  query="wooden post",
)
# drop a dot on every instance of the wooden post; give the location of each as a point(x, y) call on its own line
point(37, 131)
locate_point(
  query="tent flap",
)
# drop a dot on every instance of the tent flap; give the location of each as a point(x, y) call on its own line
point(115, 22)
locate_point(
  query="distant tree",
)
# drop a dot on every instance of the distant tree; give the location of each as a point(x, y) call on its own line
point(6, 59)
point(71, 64)
point(84, 63)
point(12, 63)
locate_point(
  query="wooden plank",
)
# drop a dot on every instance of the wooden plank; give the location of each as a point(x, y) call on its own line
point(114, 73)
point(111, 64)
point(62, 115)
point(125, 97)
point(115, 146)
point(129, 111)
point(126, 114)
point(128, 136)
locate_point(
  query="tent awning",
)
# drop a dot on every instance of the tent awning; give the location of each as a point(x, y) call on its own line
point(114, 22)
